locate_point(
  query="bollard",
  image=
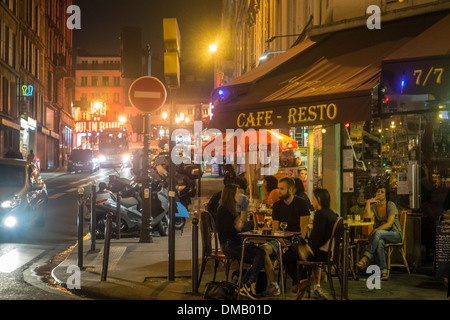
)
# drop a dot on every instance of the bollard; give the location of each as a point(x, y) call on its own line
point(194, 254)
point(118, 215)
point(108, 230)
point(93, 215)
point(344, 285)
point(80, 227)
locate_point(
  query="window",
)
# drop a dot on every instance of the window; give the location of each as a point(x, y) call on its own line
point(116, 98)
point(83, 81)
point(94, 81)
point(105, 81)
point(117, 81)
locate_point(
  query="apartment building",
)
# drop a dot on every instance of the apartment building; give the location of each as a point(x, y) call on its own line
point(36, 80)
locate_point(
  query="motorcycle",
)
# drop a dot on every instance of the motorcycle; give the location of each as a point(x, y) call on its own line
point(186, 176)
point(130, 216)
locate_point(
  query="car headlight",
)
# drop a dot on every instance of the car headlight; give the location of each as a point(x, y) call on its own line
point(10, 221)
point(10, 203)
point(101, 158)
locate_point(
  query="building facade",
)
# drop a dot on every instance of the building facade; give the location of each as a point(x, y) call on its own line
point(257, 31)
point(36, 80)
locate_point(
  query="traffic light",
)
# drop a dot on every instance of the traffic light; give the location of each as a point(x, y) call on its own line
point(137, 124)
point(131, 52)
point(198, 112)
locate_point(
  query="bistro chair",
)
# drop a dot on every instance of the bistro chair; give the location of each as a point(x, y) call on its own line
point(390, 247)
point(333, 261)
point(208, 231)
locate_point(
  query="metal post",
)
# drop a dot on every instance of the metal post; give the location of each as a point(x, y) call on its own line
point(106, 246)
point(200, 181)
point(80, 227)
point(146, 232)
point(172, 204)
point(344, 284)
point(93, 215)
point(194, 254)
point(118, 215)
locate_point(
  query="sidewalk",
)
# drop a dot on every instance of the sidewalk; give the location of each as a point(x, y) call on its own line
point(139, 271)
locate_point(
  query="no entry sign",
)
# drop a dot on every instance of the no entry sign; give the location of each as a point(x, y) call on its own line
point(147, 94)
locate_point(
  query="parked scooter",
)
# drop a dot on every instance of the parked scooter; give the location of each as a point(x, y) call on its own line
point(130, 216)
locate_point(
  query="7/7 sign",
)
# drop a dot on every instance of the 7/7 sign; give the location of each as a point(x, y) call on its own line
point(418, 77)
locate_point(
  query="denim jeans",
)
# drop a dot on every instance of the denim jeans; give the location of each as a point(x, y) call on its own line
point(252, 255)
point(376, 246)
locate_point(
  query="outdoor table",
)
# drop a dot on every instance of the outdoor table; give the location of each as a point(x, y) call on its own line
point(258, 236)
point(353, 224)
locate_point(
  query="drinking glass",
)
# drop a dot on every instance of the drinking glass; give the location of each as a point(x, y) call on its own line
point(283, 225)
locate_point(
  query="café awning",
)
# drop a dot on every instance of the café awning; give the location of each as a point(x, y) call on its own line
point(326, 82)
point(421, 66)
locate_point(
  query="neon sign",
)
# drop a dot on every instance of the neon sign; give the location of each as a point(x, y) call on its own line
point(96, 126)
point(27, 91)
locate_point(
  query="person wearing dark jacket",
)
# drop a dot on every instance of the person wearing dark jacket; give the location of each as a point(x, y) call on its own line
point(324, 220)
point(229, 224)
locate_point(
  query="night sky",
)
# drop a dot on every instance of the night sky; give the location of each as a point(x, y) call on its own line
point(101, 22)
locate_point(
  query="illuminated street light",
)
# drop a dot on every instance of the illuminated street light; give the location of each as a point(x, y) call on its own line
point(213, 48)
point(122, 119)
point(164, 115)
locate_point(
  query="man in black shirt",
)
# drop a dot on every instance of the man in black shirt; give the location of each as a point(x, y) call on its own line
point(295, 212)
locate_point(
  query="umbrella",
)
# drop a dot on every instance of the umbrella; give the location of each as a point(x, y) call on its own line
point(252, 140)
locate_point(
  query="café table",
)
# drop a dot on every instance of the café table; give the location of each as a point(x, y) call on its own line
point(353, 224)
point(259, 236)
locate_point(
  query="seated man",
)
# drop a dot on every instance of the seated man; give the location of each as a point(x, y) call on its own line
point(294, 211)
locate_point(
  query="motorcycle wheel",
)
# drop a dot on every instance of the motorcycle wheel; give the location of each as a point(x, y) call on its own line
point(163, 227)
point(180, 223)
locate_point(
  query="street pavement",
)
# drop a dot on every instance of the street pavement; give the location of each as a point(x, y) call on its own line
point(140, 271)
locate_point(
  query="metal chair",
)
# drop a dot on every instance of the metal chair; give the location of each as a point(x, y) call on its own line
point(208, 231)
point(334, 257)
point(389, 247)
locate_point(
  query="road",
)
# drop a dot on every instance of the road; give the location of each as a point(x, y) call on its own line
point(26, 264)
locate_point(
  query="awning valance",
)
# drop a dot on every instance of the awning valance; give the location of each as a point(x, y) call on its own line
point(329, 81)
point(421, 66)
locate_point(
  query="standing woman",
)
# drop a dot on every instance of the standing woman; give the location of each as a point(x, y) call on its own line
point(229, 224)
point(387, 230)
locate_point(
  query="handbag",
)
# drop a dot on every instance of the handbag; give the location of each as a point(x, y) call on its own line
point(223, 290)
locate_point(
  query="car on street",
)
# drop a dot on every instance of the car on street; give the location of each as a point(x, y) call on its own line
point(23, 196)
point(83, 160)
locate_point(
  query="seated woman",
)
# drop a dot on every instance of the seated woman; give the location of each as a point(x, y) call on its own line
point(229, 224)
point(387, 229)
point(324, 220)
point(270, 190)
point(300, 192)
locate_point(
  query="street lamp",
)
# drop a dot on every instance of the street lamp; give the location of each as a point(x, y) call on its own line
point(213, 48)
point(266, 54)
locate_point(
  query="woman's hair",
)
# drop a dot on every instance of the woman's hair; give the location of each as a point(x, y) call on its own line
point(272, 183)
point(386, 189)
point(241, 182)
point(300, 189)
point(323, 197)
point(227, 199)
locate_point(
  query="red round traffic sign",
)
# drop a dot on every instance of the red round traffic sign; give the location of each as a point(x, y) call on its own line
point(147, 94)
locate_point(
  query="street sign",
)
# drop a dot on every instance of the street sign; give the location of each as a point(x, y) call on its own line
point(147, 94)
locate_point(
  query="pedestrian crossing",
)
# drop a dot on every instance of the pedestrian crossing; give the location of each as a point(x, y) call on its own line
point(16, 258)
point(72, 187)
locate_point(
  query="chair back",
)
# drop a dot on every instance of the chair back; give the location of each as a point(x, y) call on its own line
point(335, 247)
point(403, 217)
point(207, 231)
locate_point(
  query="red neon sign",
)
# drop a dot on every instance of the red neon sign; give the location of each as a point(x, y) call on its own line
point(96, 126)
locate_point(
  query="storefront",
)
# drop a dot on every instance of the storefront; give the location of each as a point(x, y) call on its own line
point(318, 88)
